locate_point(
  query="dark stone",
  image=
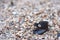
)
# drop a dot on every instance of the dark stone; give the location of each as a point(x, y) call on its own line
point(43, 38)
point(42, 29)
point(11, 23)
point(12, 4)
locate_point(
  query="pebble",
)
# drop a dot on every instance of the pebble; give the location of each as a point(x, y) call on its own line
point(14, 12)
point(22, 21)
point(11, 23)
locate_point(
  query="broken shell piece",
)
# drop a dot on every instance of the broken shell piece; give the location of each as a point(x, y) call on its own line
point(41, 27)
point(39, 31)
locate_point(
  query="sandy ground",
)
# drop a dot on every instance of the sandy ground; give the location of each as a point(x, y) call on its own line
point(17, 18)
